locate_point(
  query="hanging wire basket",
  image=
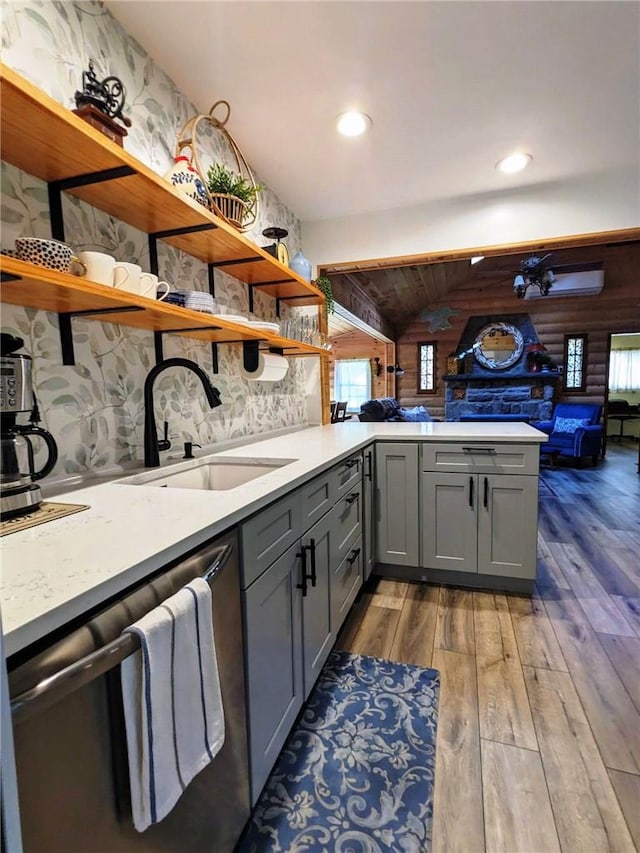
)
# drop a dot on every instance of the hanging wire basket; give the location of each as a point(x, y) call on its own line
point(241, 214)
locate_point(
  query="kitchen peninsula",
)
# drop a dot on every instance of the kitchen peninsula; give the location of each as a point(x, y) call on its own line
point(57, 572)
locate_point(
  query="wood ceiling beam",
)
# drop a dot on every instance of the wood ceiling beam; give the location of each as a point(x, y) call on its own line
point(622, 235)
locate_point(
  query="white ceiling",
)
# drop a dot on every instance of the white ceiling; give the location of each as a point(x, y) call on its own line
point(451, 87)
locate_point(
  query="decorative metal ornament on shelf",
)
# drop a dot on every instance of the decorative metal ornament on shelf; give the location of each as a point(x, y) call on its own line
point(241, 214)
point(106, 95)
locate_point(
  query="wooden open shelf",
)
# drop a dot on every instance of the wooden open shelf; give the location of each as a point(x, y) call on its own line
point(47, 290)
point(45, 139)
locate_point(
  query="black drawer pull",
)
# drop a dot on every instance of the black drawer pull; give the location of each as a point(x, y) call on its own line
point(351, 462)
point(353, 556)
point(303, 584)
point(352, 497)
point(486, 492)
point(491, 450)
point(471, 492)
point(312, 548)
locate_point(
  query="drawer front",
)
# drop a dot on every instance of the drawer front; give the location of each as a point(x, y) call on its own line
point(346, 580)
point(317, 498)
point(347, 474)
point(347, 523)
point(268, 535)
point(481, 457)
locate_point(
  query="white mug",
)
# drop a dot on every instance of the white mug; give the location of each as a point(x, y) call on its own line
point(99, 266)
point(127, 276)
point(149, 285)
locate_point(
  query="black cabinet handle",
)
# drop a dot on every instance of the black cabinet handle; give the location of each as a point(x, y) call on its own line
point(303, 584)
point(486, 492)
point(369, 474)
point(490, 450)
point(351, 462)
point(353, 556)
point(312, 549)
point(352, 497)
point(471, 492)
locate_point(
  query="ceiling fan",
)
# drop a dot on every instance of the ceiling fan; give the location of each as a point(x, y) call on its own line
point(537, 272)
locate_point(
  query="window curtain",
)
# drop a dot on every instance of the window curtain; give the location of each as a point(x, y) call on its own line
point(352, 382)
point(624, 370)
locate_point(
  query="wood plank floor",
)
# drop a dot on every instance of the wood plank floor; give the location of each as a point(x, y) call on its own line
point(539, 723)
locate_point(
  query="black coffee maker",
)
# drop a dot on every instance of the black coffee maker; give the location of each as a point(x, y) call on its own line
point(19, 492)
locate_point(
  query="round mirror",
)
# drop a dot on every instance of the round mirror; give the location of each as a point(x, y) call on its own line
point(498, 346)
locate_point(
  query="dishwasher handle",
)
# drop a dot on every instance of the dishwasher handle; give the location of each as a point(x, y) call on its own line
point(48, 691)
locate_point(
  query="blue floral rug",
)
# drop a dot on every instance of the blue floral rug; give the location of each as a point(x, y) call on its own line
point(357, 773)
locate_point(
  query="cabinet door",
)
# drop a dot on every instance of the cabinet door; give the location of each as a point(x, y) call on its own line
point(268, 535)
point(397, 511)
point(507, 525)
point(368, 513)
point(273, 652)
point(449, 533)
point(317, 628)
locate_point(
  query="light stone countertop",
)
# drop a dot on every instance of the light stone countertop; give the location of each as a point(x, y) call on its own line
point(57, 571)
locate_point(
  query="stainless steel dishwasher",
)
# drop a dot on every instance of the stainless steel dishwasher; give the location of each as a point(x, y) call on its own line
point(70, 741)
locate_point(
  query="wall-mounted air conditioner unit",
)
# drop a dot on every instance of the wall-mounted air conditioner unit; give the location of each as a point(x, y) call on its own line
point(586, 283)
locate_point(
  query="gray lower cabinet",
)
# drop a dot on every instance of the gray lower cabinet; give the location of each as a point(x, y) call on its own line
point(274, 661)
point(484, 523)
point(397, 510)
point(507, 525)
point(449, 522)
point(317, 625)
point(295, 605)
point(368, 514)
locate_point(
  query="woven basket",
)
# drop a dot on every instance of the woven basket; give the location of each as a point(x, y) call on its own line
point(238, 213)
point(229, 207)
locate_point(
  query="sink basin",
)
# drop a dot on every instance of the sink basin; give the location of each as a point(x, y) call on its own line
point(219, 475)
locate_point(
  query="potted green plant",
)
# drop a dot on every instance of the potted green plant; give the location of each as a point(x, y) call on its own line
point(323, 283)
point(233, 196)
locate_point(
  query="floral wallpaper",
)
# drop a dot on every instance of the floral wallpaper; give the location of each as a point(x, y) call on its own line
point(94, 409)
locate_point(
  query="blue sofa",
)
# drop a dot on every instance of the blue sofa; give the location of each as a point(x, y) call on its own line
point(574, 431)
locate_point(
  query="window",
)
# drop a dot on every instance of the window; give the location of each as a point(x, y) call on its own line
point(426, 368)
point(575, 362)
point(352, 382)
point(624, 370)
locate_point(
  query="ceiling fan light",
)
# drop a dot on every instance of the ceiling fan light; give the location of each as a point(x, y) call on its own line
point(514, 163)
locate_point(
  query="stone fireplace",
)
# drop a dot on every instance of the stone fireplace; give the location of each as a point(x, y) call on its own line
point(496, 393)
point(530, 397)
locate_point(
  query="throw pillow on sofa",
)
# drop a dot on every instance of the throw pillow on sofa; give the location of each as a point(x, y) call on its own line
point(570, 425)
point(417, 414)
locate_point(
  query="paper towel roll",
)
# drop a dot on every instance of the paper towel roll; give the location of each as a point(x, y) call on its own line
point(271, 368)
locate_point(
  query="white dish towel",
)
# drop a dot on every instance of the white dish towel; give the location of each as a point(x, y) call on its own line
point(172, 701)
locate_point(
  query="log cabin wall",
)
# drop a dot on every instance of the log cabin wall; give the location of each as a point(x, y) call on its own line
point(359, 345)
point(615, 310)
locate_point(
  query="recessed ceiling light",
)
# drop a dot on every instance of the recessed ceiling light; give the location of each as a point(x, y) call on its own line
point(353, 123)
point(514, 163)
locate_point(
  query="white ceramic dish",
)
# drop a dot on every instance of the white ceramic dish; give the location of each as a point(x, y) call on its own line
point(233, 318)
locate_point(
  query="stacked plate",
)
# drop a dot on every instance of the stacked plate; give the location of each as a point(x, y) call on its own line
point(196, 300)
point(265, 326)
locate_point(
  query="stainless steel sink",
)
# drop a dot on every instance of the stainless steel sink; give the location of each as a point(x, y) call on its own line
point(210, 474)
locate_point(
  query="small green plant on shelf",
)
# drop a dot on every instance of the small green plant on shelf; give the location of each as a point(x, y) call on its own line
point(225, 181)
point(323, 283)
